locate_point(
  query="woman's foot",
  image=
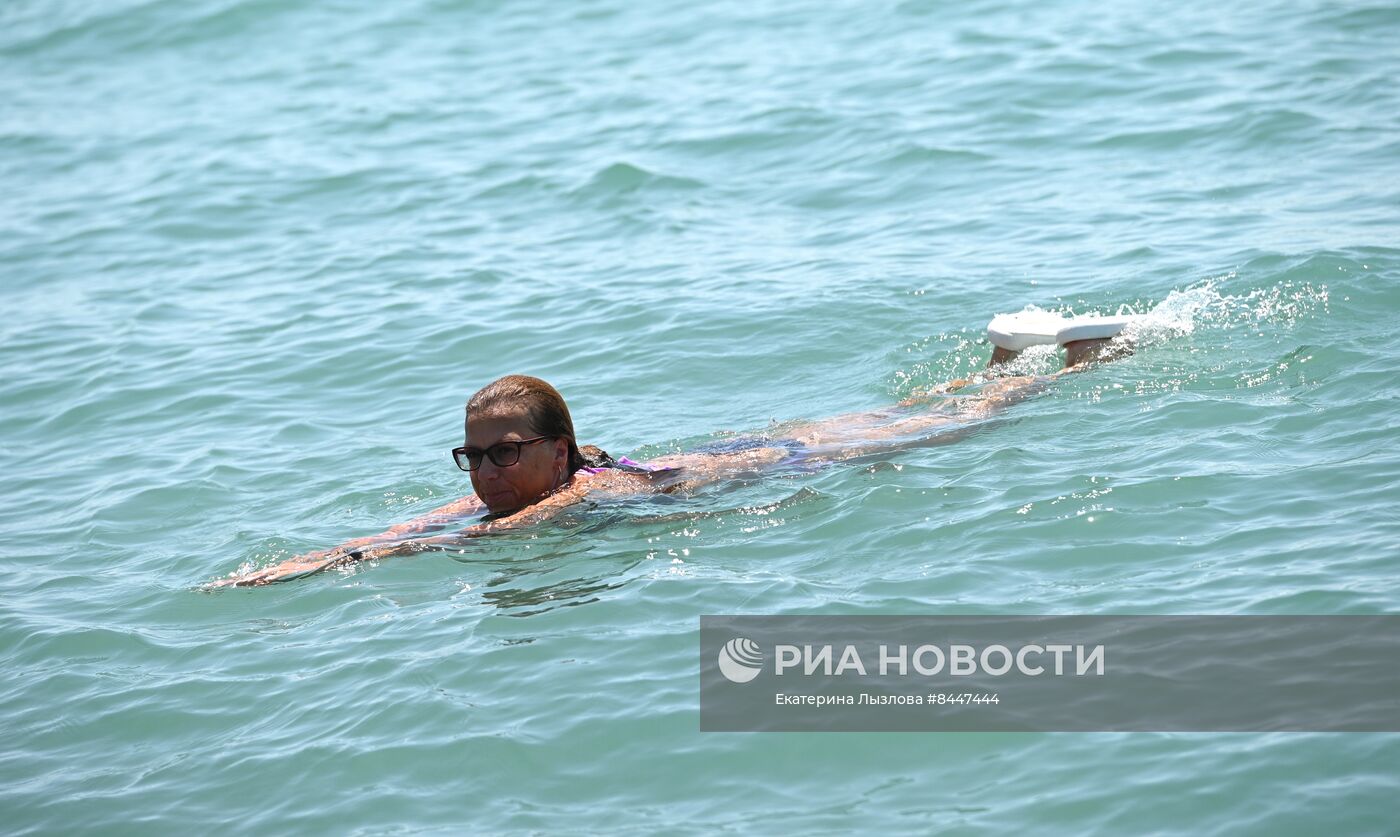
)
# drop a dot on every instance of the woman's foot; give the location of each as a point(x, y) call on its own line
point(1000, 356)
point(1083, 352)
point(1077, 352)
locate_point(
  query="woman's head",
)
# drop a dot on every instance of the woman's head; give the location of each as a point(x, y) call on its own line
point(525, 410)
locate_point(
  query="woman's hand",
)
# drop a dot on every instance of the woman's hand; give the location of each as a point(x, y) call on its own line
point(298, 567)
point(315, 562)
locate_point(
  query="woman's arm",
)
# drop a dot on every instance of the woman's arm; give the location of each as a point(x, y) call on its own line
point(384, 546)
point(433, 520)
point(360, 548)
point(312, 563)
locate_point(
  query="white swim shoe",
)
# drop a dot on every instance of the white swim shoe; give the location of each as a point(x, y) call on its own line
point(1091, 327)
point(1018, 332)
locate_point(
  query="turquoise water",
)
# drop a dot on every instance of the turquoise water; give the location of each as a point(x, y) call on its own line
point(256, 256)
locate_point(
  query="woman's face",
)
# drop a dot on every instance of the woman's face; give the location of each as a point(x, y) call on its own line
point(543, 465)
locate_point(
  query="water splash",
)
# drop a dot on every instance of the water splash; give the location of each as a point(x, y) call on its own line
point(1194, 312)
point(1205, 307)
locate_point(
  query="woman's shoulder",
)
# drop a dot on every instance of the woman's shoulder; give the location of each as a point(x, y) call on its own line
point(610, 479)
point(626, 472)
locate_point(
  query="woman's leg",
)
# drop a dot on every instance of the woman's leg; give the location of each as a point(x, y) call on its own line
point(859, 433)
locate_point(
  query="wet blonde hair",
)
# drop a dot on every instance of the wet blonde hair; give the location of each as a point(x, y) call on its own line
point(546, 414)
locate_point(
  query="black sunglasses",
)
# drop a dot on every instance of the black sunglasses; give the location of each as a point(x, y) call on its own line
point(503, 454)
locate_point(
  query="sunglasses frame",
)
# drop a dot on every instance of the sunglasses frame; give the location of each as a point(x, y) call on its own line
point(462, 455)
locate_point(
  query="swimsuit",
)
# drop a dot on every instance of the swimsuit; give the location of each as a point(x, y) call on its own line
point(628, 466)
point(797, 452)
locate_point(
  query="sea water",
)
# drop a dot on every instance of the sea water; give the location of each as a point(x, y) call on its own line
point(255, 256)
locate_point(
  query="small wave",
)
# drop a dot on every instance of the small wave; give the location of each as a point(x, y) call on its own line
point(920, 155)
point(1249, 130)
point(1365, 20)
point(137, 27)
point(623, 178)
point(1188, 57)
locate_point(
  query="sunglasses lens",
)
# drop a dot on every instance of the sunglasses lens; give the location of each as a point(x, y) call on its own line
point(504, 454)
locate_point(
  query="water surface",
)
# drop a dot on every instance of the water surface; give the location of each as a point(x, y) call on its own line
point(255, 257)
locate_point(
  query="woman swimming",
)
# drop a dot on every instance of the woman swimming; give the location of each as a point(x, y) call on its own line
point(526, 465)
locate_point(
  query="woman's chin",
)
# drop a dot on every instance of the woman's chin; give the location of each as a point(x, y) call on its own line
point(499, 504)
